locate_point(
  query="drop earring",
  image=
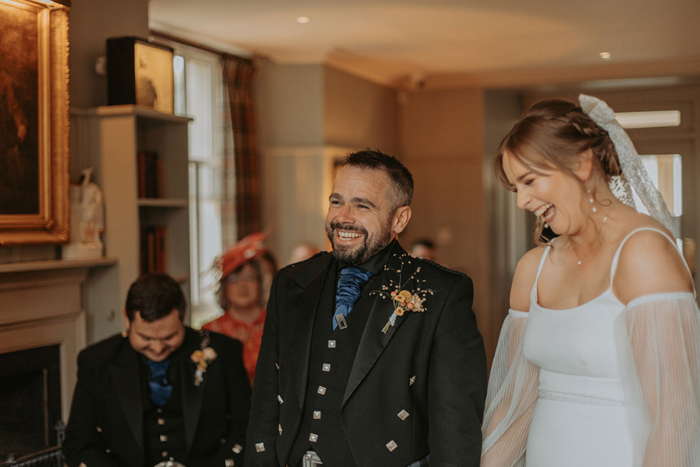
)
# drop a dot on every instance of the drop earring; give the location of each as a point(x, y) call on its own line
point(590, 199)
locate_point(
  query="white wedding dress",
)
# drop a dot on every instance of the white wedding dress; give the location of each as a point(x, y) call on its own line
point(602, 384)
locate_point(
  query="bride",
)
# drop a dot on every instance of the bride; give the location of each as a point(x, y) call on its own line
point(598, 361)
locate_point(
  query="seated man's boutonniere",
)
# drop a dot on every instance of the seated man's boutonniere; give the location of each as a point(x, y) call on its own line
point(202, 358)
point(404, 301)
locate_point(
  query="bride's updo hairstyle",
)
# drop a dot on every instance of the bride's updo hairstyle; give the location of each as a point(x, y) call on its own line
point(549, 136)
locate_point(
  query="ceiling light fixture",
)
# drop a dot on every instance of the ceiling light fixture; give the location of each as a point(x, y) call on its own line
point(605, 55)
point(303, 19)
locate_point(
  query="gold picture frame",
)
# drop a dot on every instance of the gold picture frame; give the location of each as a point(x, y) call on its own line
point(34, 122)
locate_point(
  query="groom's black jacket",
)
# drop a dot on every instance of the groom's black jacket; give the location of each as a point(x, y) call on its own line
point(415, 390)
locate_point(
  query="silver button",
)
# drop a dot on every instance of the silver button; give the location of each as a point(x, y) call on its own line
point(161, 421)
point(412, 381)
point(403, 415)
point(331, 344)
point(321, 390)
point(278, 367)
point(237, 448)
point(313, 437)
point(228, 463)
point(279, 428)
point(164, 453)
point(391, 445)
point(108, 450)
point(163, 438)
point(317, 415)
point(326, 367)
point(99, 430)
point(223, 440)
point(159, 410)
point(279, 398)
point(260, 447)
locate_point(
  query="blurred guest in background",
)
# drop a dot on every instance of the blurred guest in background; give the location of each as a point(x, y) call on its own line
point(302, 252)
point(246, 275)
point(423, 248)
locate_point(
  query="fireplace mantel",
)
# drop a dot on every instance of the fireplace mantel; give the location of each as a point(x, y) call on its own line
point(53, 265)
point(42, 303)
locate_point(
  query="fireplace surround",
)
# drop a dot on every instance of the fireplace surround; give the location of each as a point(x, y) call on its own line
point(42, 317)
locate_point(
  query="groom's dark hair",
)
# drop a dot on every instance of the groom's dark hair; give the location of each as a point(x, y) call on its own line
point(400, 176)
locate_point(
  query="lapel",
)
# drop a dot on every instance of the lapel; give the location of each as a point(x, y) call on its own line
point(373, 340)
point(126, 377)
point(304, 296)
point(192, 396)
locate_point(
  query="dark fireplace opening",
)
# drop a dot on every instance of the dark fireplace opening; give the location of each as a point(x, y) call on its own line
point(30, 401)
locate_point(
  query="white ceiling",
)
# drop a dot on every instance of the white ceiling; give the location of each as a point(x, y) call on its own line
point(386, 40)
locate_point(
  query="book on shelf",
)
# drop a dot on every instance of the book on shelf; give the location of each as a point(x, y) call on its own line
point(153, 249)
point(150, 174)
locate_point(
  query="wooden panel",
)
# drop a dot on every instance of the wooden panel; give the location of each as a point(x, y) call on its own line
point(448, 207)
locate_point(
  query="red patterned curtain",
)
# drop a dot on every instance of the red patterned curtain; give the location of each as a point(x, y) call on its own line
point(240, 211)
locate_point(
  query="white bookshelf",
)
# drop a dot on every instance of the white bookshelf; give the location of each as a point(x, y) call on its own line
point(109, 139)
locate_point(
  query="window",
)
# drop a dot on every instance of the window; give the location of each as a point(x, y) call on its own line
point(665, 172)
point(650, 119)
point(199, 95)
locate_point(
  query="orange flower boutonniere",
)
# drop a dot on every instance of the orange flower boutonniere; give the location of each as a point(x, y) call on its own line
point(202, 358)
point(404, 301)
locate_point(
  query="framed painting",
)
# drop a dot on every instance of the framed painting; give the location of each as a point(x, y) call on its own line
point(34, 101)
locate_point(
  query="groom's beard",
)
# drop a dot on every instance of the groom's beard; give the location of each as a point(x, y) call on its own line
point(357, 254)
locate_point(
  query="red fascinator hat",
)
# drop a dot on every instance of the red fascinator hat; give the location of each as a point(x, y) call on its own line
point(247, 249)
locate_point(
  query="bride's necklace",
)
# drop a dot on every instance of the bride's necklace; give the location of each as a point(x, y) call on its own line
point(588, 250)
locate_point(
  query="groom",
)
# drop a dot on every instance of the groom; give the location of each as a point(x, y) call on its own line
point(369, 357)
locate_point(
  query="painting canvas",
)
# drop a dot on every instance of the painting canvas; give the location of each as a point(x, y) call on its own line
point(154, 77)
point(139, 72)
point(34, 104)
point(19, 116)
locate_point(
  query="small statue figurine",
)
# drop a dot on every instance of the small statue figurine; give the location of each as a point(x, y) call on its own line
point(87, 219)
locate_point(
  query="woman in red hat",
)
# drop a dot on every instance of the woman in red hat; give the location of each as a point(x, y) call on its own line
point(246, 274)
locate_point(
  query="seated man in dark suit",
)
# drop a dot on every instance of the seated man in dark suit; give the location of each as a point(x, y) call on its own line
point(160, 393)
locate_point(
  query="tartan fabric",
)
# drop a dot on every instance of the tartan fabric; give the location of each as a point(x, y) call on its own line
point(240, 207)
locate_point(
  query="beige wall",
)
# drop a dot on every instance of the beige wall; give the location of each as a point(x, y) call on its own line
point(442, 142)
point(289, 101)
point(309, 117)
point(359, 113)
point(91, 23)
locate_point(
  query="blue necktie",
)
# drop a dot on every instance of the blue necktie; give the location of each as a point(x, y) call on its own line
point(160, 387)
point(349, 284)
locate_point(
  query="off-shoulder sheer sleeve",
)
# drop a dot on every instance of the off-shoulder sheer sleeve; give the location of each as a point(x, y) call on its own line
point(512, 393)
point(658, 339)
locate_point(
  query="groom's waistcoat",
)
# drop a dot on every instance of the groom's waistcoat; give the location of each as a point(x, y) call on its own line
point(330, 362)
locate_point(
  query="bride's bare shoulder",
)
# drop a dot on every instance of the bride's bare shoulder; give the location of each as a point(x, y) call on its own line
point(524, 279)
point(649, 263)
